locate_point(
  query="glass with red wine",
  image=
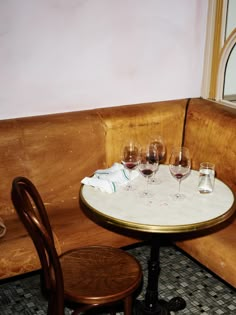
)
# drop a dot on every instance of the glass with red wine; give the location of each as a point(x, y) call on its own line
point(180, 166)
point(130, 157)
point(159, 143)
point(147, 166)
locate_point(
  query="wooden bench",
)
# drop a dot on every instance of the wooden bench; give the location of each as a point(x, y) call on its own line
point(57, 151)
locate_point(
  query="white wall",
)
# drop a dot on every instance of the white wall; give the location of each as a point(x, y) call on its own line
point(66, 55)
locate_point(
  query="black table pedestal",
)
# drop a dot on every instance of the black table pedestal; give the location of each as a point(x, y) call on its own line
point(152, 305)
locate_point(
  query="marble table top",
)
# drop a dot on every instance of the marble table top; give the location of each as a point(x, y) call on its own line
point(161, 213)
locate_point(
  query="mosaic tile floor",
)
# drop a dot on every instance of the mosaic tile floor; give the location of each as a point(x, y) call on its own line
point(180, 275)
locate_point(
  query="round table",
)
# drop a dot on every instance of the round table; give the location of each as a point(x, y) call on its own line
point(159, 215)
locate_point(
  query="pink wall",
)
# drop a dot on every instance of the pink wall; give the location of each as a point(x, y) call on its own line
point(66, 55)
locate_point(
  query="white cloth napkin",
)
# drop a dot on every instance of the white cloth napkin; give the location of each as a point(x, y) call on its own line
point(110, 179)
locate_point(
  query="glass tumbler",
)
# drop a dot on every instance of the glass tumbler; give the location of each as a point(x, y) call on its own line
point(206, 177)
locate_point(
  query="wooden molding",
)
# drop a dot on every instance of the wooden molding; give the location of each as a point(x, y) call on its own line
point(216, 47)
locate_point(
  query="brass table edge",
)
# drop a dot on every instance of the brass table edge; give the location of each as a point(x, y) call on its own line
point(160, 228)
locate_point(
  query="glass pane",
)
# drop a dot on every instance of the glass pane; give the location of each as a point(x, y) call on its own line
point(231, 17)
point(229, 93)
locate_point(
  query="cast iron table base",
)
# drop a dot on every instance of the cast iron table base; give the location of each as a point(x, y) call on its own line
point(152, 305)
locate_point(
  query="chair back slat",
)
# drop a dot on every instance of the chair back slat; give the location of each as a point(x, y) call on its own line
point(32, 212)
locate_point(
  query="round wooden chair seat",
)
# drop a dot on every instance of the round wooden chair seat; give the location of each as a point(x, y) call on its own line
point(99, 274)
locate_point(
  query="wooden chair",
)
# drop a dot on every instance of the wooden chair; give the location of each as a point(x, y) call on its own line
point(86, 277)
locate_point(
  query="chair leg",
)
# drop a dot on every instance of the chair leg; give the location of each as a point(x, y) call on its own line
point(128, 305)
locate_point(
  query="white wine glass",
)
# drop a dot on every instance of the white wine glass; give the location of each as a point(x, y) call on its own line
point(159, 143)
point(130, 157)
point(180, 166)
point(147, 166)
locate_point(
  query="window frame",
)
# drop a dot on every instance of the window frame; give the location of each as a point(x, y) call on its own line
point(217, 51)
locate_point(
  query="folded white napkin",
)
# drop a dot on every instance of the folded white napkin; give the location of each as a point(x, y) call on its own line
point(110, 179)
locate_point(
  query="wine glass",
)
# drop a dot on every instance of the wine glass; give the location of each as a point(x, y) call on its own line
point(180, 166)
point(130, 159)
point(159, 143)
point(148, 165)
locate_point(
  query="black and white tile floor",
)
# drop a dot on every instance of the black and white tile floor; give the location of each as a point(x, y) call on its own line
point(203, 292)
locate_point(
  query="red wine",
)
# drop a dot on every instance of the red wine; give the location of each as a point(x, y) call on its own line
point(152, 159)
point(178, 175)
point(130, 165)
point(147, 172)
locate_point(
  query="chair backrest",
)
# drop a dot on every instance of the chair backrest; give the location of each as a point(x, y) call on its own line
point(32, 212)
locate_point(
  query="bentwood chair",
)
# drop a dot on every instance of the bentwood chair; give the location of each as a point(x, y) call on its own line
point(85, 277)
